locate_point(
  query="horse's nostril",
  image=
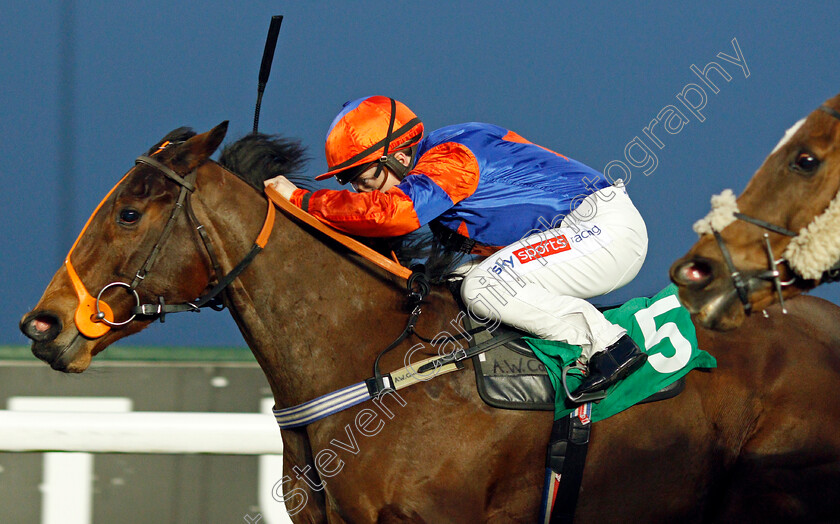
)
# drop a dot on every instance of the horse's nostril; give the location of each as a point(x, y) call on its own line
point(41, 326)
point(694, 273)
point(42, 323)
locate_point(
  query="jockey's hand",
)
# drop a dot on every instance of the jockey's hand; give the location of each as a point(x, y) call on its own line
point(282, 185)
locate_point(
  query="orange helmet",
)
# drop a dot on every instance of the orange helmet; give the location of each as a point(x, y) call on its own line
point(368, 130)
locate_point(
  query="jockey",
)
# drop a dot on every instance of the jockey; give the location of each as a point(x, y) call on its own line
point(552, 230)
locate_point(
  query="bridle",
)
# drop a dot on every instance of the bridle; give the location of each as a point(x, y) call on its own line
point(94, 317)
point(771, 274)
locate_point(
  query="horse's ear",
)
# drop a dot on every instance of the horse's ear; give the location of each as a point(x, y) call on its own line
point(199, 148)
point(181, 134)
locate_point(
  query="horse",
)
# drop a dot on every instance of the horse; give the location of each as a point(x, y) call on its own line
point(739, 443)
point(788, 208)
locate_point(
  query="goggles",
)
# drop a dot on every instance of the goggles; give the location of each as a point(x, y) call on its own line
point(352, 173)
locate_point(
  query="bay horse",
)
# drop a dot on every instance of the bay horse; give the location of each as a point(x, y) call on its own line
point(756, 438)
point(792, 200)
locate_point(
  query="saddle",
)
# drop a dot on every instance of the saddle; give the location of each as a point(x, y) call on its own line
point(510, 376)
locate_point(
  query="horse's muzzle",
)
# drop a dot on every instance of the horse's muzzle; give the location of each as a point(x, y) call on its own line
point(706, 292)
point(41, 326)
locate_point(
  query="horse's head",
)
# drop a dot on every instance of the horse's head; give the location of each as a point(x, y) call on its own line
point(131, 251)
point(780, 236)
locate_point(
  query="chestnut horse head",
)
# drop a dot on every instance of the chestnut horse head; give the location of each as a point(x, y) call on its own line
point(779, 238)
point(141, 253)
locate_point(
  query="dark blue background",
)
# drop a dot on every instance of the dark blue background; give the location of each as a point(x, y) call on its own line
point(94, 89)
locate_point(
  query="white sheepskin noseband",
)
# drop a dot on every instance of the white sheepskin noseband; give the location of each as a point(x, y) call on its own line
point(722, 214)
point(816, 248)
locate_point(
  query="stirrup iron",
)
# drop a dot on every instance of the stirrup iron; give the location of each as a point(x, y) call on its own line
point(583, 397)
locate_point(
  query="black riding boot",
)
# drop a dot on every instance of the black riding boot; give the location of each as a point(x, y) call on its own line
point(611, 365)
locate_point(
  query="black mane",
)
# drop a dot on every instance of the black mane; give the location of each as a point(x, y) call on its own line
point(257, 157)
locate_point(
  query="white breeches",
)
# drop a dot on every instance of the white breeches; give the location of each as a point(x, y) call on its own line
point(539, 283)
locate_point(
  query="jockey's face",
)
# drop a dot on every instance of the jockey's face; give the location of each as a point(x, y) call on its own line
point(368, 181)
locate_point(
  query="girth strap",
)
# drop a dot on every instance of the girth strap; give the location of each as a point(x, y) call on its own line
point(565, 459)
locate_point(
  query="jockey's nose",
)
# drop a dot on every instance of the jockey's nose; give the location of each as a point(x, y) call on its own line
point(694, 273)
point(41, 326)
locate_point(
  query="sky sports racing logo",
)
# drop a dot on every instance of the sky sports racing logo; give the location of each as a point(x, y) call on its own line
point(552, 246)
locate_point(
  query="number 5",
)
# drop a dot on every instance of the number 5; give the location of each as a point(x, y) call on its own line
point(669, 330)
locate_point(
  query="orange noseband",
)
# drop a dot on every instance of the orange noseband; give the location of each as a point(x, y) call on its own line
point(86, 313)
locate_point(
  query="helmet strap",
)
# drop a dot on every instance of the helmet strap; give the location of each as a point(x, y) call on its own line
point(389, 160)
point(398, 168)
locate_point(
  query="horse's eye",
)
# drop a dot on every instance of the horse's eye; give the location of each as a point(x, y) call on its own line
point(129, 216)
point(805, 162)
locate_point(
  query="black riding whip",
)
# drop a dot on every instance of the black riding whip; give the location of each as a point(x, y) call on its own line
point(265, 66)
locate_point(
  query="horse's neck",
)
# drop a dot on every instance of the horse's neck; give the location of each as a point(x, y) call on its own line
point(313, 318)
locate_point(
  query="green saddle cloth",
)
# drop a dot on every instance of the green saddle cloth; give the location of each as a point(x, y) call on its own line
point(660, 326)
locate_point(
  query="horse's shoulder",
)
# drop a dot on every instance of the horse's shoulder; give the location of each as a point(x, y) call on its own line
point(809, 331)
point(809, 334)
point(814, 314)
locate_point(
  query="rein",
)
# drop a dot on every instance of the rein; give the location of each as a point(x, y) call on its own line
point(416, 283)
point(94, 317)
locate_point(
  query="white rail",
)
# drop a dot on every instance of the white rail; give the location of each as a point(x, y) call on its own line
point(140, 432)
point(70, 431)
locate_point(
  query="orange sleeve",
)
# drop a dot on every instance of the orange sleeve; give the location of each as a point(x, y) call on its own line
point(375, 214)
point(451, 166)
point(297, 197)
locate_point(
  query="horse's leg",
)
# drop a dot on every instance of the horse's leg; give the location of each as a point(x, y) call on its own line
point(306, 503)
point(789, 470)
